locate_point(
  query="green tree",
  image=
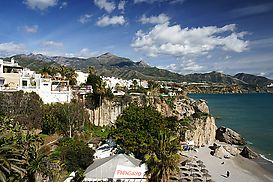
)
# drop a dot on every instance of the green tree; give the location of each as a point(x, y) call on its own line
point(151, 137)
point(94, 100)
point(48, 71)
point(153, 85)
point(64, 118)
point(164, 160)
point(71, 76)
point(50, 123)
point(136, 129)
point(135, 84)
point(26, 108)
point(13, 162)
point(75, 154)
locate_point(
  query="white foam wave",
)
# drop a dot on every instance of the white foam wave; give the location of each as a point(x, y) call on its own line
point(262, 156)
point(249, 142)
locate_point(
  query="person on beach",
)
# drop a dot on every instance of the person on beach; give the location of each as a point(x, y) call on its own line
point(227, 174)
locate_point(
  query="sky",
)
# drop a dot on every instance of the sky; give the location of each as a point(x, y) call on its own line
point(183, 36)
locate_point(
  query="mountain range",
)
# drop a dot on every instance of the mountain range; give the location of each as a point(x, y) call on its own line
point(111, 65)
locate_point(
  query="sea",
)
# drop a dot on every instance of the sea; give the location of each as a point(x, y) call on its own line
point(251, 115)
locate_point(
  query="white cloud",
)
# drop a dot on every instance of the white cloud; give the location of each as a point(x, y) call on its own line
point(152, 1)
point(162, 18)
point(63, 5)
point(190, 65)
point(252, 10)
point(52, 44)
point(40, 4)
point(121, 5)
point(86, 53)
point(185, 67)
point(108, 6)
point(107, 20)
point(11, 48)
point(85, 18)
point(31, 29)
point(164, 39)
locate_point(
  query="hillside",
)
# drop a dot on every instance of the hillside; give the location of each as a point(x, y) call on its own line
point(111, 65)
point(215, 77)
point(254, 80)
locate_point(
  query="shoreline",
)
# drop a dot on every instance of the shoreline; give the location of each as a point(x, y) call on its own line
point(240, 168)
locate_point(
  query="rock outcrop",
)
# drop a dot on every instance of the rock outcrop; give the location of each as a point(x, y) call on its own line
point(232, 150)
point(220, 152)
point(203, 132)
point(202, 106)
point(107, 113)
point(248, 153)
point(229, 136)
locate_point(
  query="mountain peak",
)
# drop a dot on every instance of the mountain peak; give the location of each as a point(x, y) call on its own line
point(142, 64)
point(107, 55)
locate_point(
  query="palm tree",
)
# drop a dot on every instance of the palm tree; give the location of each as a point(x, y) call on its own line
point(71, 76)
point(45, 71)
point(101, 91)
point(91, 70)
point(62, 70)
point(164, 159)
point(12, 161)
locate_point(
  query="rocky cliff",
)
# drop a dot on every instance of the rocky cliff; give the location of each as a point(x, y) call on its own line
point(202, 130)
point(107, 113)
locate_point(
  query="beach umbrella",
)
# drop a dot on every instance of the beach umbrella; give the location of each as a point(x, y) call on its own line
point(184, 161)
point(175, 178)
point(195, 169)
point(195, 165)
point(197, 180)
point(204, 171)
point(207, 175)
point(210, 180)
point(184, 180)
point(185, 174)
point(202, 166)
point(183, 169)
point(196, 175)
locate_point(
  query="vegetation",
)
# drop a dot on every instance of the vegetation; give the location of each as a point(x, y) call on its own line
point(66, 119)
point(24, 156)
point(75, 154)
point(151, 137)
point(94, 100)
point(26, 108)
point(65, 72)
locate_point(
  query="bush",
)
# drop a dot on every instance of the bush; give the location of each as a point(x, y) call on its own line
point(75, 154)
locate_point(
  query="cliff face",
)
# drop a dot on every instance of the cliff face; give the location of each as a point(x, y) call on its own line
point(107, 113)
point(203, 128)
point(203, 133)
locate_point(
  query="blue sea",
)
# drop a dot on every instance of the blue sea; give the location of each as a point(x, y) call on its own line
point(251, 115)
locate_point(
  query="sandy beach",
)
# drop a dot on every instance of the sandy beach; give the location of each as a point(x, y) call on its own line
point(241, 169)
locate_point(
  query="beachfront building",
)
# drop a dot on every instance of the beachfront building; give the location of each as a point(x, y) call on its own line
point(115, 83)
point(81, 77)
point(119, 167)
point(15, 78)
point(9, 74)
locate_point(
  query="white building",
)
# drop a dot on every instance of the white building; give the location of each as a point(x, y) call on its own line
point(81, 77)
point(14, 78)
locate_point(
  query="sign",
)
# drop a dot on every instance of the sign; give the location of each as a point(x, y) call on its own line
point(129, 172)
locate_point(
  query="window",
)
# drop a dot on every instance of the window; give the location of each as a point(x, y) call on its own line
point(24, 83)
